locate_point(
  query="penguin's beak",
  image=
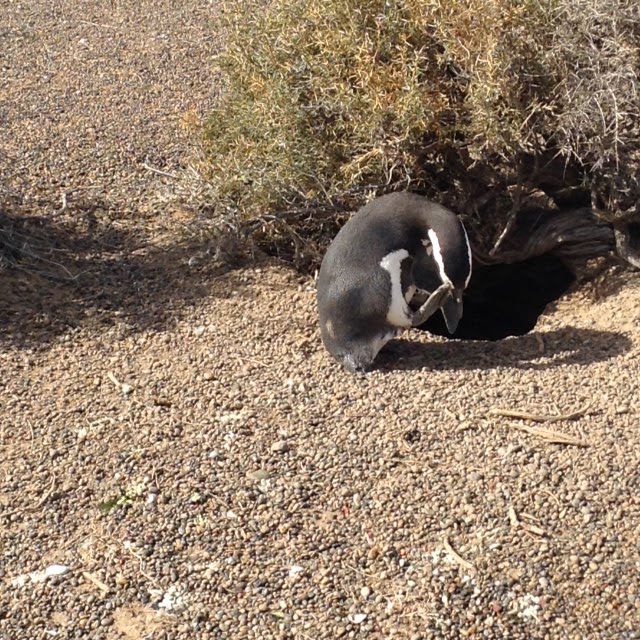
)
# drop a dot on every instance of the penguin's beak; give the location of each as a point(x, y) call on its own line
point(452, 310)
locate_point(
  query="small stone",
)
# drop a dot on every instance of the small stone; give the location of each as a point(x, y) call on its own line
point(373, 553)
point(258, 475)
point(365, 592)
point(281, 446)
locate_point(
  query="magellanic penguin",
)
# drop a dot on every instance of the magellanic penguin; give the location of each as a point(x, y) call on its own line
point(396, 245)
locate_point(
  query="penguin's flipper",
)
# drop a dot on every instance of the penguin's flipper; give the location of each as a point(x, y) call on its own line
point(432, 304)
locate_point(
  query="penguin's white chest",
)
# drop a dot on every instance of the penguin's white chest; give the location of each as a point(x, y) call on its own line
point(399, 314)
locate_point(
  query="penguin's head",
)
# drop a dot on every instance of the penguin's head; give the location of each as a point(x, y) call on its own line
point(360, 352)
point(446, 260)
point(351, 334)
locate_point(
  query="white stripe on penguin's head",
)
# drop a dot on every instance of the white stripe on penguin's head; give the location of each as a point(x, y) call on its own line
point(437, 256)
point(434, 244)
point(398, 314)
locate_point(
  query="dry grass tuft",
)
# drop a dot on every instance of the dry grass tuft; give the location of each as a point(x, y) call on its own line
point(479, 104)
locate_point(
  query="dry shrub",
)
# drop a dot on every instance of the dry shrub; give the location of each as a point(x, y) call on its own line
point(479, 103)
point(595, 61)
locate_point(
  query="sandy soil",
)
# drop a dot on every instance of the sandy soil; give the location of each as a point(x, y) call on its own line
point(181, 459)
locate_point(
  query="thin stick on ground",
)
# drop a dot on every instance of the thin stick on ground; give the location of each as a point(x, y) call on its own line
point(517, 523)
point(538, 417)
point(96, 581)
point(160, 172)
point(459, 560)
point(47, 495)
point(113, 379)
point(549, 435)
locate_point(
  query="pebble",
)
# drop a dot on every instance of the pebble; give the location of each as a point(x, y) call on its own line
point(281, 446)
point(259, 475)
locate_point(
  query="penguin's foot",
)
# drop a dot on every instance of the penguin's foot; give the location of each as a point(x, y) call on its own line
point(432, 304)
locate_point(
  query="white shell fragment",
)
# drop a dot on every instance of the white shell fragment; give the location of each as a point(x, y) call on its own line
point(357, 618)
point(39, 576)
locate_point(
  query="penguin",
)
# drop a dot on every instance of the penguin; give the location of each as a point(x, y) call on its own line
point(394, 247)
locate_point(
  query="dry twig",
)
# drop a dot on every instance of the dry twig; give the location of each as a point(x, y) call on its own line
point(459, 560)
point(97, 582)
point(160, 172)
point(537, 417)
point(549, 435)
point(114, 379)
point(47, 495)
point(516, 523)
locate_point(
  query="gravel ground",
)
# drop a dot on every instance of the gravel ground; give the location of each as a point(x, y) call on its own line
point(181, 459)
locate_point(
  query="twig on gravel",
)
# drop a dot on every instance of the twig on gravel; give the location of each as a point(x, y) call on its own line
point(141, 562)
point(532, 528)
point(551, 495)
point(459, 560)
point(537, 417)
point(516, 523)
point(159, 171)
point(46, 496)
point(98, 24)
point(124, 387)
point(549, 435)
point(24, 250)
point(98, 583)
point(113, 379)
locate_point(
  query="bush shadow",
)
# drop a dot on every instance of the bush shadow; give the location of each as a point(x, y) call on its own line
point(538, 350)
point(60, 273)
